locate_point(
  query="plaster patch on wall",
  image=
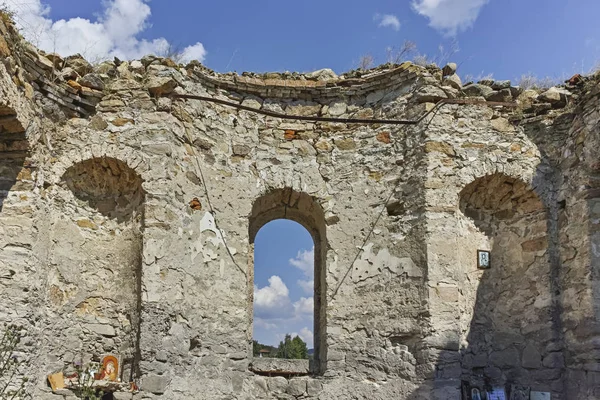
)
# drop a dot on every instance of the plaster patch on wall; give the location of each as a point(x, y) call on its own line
point(370, 265)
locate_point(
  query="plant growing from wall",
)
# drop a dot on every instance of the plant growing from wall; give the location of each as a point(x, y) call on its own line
point(83, 386)
point(12, 384)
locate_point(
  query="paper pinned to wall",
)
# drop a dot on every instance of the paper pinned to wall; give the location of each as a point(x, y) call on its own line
point(497, 393)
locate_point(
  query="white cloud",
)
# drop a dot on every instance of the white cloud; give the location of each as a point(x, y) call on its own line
point(195, 52)
point(388, 21)
point(262, 323)
point(305, 261)
point(113, 34)
point(307, 286)
point(307, 335)
point(449, 16)
point(273, 301)
point(304, 306)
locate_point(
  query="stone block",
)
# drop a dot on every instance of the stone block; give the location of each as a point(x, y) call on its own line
point(156, 384)
point(314, 387)
point(102, 329)
point(554, 360)
point(297, 387)
point(531, 357)
point(505, 358)
point(277, 384)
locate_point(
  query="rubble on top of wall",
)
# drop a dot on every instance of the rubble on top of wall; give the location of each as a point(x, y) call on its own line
point(77, 86)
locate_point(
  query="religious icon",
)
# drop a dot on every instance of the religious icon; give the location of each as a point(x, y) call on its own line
point(475, 394)
point(483, 259)
point(110, 369)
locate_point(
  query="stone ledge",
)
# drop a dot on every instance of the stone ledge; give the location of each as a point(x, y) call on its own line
point(278, 366)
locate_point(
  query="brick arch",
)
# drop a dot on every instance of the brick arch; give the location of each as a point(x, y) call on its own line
point(129, 157)
point(492, 198)
point(107, 185)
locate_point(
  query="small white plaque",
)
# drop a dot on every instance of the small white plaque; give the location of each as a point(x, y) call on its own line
point(483, 259)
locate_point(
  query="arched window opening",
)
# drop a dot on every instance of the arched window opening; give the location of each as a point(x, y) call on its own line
point(284, 298)
point(283, 291)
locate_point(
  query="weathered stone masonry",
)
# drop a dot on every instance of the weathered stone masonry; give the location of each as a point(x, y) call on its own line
point(101, 252)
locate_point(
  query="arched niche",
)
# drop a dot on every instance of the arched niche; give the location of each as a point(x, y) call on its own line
point(108, 185)
point(511, 336)
point(95, 257)
point(304, 209)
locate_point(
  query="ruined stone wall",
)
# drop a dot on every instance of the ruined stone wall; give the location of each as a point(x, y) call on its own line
point(128, 218)
point(578, 197)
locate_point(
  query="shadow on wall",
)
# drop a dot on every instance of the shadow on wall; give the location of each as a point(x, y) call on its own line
point(581, 274)
point(14, 149)
point(513, 340)
point(510, 338)
point(107, 185)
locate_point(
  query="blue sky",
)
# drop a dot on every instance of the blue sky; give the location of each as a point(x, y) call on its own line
point(283, 282)
point(506, 38)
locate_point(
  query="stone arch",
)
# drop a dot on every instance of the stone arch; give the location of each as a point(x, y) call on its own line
point(511, 334)
point(304, 209)
point(75, 156)
point(94, 282)
point(107, 185)
point(491, 199)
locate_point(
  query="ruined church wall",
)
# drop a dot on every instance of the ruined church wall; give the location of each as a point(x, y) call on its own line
point(579, 209)
point(129, 231)
point(465, 145)
point(196, 330)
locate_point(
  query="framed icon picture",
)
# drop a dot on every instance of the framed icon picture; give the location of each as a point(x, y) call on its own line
point(483, 259)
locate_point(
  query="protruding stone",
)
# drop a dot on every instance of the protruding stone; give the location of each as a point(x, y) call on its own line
point(452, 81)
point(78, 64)
point(102, 329)
point(159, 85)
point(324, 74)
point(241, 150)
point(551, 96)
point(56, 59)
point(449, 69)
point(503, 95)
point(429, 94)
point(148, 59)
point(137, 66)
point(338, 108)
point(499, 85)
point(555, 96)
point(477, 89)
point(93, 81)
